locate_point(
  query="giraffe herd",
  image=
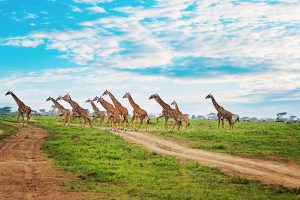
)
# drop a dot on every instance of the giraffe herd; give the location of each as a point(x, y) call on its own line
point(117, 115)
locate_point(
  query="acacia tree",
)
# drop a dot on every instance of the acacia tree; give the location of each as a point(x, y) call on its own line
point(5, 110)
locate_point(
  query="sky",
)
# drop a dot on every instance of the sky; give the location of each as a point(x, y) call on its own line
point(244, 52)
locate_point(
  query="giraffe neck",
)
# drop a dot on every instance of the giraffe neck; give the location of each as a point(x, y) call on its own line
point(176, 106)
point(161, 102)
point(94, 107)
point(106, 105)
point(17, 100)
point(114, 100)
point(216, 105)
point(58, 105)
point(133, 104)
point(73, 104)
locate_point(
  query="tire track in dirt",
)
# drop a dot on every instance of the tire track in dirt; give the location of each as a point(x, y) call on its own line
point(26, 174)
point(269, 172)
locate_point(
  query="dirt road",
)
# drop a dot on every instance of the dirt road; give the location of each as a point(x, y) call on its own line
point(26, 174)
point(269, 172)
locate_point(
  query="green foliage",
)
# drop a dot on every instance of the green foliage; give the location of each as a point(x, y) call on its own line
point(6, 130)
point(107, 164)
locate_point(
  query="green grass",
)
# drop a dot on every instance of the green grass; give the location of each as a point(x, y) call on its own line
point(107, 164)
point(6, 131)
point(254, 139)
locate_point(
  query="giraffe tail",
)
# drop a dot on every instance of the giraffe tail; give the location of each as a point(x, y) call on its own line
point(148, 121)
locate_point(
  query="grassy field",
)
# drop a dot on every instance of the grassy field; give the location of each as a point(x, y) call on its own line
point(105, 163)
point(271, 140)
point(6, 131)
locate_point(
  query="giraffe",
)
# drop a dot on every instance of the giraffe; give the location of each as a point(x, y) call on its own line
point(123, 111)
point(183, 117)
point(74, 113)
point(61, 111)
point(97, 113)
point(137, 112)
point(222, 113)
point(22, 108)
point(167, 112)
point(78, 110)
point(113, 114)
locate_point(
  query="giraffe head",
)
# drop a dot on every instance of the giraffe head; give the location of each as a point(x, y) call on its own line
point(67, 97)
point(59, 98)
point(153, 96)
point(49, 98)
point(173, 103)
point(8, 93)
point(89, 100)
point(105, 92)
point(209, 96)
point(95, 99)
point(126, 95)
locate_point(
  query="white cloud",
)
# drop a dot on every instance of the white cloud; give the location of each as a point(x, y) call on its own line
point(96, 9)
point(76, 9)
point(31, 16)
point(21, 41)
point(92, 1)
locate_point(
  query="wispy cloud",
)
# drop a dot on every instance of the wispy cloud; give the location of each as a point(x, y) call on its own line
point(30, 16)
point(96, 9)
point(76, 9)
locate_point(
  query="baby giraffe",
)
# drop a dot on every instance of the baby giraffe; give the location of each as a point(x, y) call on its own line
point(22, 108)
point(61, 111)
point(183, 117)
point(97, 113)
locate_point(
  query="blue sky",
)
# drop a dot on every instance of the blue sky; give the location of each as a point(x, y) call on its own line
point(246, 53)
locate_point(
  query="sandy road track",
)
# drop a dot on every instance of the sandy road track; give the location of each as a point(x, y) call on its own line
point(26, 174)
point(269, 172)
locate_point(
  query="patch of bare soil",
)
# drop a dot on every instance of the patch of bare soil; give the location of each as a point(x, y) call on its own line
point(26, 174)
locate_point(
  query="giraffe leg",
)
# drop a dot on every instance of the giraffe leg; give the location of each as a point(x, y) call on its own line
point(178, 125)
point(66, 119)
point(136, 122)
point(141, 122)
point(22, 119)
point(27, 119)
point(89, 121)
point(18, 118)
point(175, 122)
point(222, 120)
point(219, 120)
point(56, 118)
point(106, 123)
point(132, 120)
point(166, 123)
point(94, 119)
point(147, 123)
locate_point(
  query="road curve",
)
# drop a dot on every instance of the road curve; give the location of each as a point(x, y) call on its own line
point(269, 172)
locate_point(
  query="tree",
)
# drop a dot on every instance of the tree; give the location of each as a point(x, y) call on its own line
point(5, 110)
point(212, 116)
point(42, 111)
